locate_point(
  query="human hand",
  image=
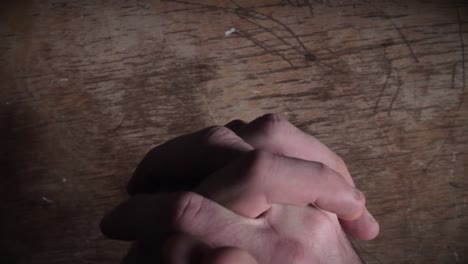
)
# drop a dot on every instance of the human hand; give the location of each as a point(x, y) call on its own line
point(184, 162)
point(200, 152)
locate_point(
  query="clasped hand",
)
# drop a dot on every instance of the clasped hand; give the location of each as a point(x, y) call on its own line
point(258, 192)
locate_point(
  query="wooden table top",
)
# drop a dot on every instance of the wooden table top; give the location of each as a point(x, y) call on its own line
point(87, 87)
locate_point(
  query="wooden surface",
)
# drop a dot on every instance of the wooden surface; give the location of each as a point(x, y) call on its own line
point(87, 87)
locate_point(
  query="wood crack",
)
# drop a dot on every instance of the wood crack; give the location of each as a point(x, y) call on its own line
point(396, 93)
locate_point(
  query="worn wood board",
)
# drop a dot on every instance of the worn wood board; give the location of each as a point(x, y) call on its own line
point(87, 87)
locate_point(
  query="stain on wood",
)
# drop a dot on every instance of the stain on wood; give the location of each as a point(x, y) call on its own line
point(87, 87)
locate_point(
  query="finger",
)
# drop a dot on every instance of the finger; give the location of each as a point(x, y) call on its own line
point(180, 163)
point(235, 124)
point(148, 217)
point(249, 186)
point(229, 255)
point(365, 227)
point(184, 249)
point(275, 134)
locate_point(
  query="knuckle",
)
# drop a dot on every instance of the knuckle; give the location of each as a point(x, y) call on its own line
point(358, 202)
point(218, 135)
point(355, 199)
point(188, 208)
point(272, 124)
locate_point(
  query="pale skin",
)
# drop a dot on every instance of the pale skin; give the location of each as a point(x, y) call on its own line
point(258, 192)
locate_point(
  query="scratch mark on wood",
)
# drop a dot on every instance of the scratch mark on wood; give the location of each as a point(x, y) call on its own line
point(403, 37)
point(261, 15)
point(389, 74)
point(405, 40)
point(302, 3)
point(265, 16)
point(396, 93)
point(330, 67)
point(236, 4)
point(118, 126)
point(309, 57)
point(213, 7)
point(249, 14)
point(455, 185)
point(462, 44)
point(437, 152)
point(242, 16)
point(265, 47)
point(311, 7)
point(454, 69)
point(306, 51)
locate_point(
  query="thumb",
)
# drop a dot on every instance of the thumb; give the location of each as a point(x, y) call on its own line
point(154, 217)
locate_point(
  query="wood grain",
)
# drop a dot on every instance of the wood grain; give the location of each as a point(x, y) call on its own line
point(87, 87)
